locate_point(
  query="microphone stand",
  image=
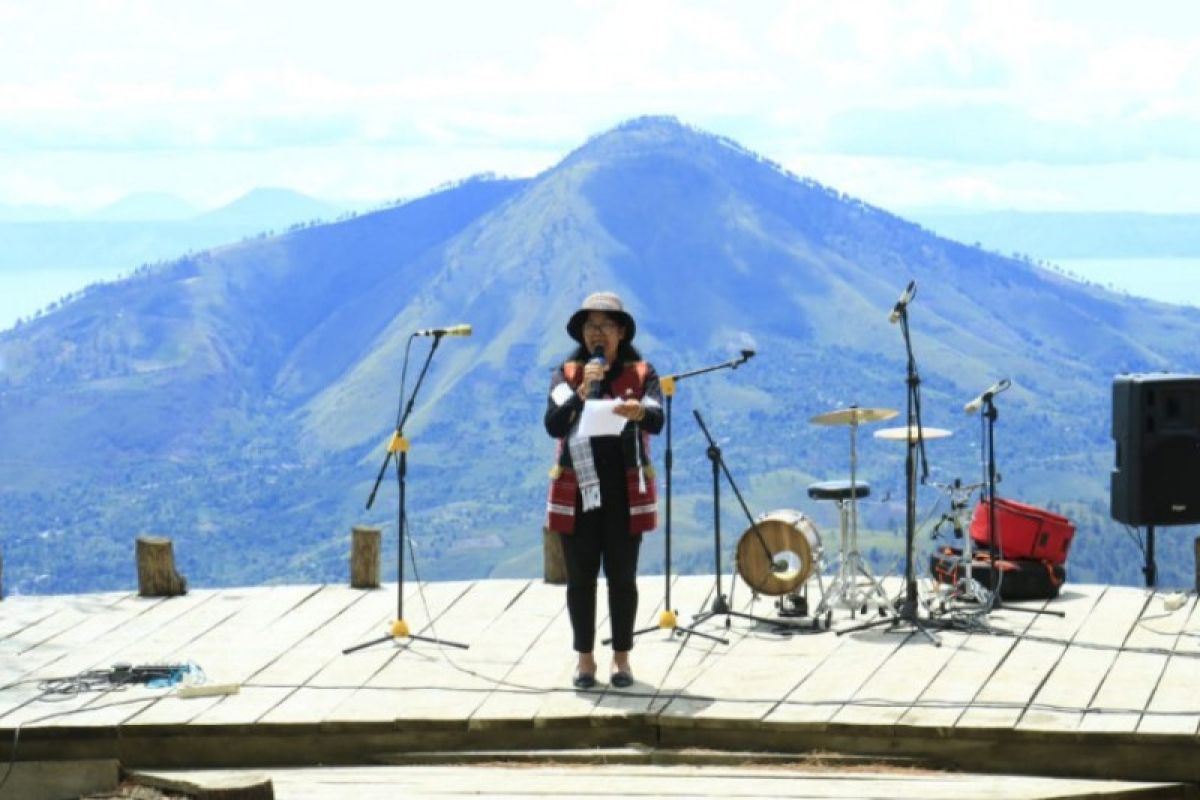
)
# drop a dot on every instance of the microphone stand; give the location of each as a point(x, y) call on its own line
point(720, 604)
point(398, 444)
point(907, 608)
point(669, 618)
point(995, 545)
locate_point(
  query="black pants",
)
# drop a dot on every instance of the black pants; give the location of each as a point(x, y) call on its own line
point(602, 537)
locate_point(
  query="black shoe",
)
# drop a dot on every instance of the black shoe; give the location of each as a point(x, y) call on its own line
point(622, 679)
point(584, 680)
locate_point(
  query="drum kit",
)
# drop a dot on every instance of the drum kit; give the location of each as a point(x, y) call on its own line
point(794, 550)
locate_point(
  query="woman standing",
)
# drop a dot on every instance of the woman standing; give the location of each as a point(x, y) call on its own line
point(602, 495)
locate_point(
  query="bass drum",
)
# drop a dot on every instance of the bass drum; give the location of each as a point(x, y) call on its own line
point(778, 538)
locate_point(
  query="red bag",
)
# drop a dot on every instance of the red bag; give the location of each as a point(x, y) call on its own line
point(1024, 531)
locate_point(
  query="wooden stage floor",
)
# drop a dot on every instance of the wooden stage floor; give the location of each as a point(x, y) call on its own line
point(1109, 690)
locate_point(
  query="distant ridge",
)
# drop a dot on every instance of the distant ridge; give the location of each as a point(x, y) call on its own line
point(237, 399)
point(272, 208)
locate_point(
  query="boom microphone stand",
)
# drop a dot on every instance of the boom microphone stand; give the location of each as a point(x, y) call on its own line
point(669, 618)
point(720, 604)
point(907, 610)
point(995, 544)
point(398, 444)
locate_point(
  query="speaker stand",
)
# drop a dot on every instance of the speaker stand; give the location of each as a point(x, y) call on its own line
point(1151, 569)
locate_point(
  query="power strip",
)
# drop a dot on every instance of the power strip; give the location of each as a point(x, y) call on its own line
point(1174, 601)
point(208, 690)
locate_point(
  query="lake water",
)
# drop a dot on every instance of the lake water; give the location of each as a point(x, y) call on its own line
point(24, 292)
point(1171, 280)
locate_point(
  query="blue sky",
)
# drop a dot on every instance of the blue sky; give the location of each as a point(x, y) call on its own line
point(1056, 104)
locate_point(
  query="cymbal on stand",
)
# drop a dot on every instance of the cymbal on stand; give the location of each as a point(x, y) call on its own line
point(853, 416)
point(909, 433)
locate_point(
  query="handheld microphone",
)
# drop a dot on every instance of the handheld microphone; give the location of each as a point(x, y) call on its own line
point(597, 388)
point(993, 390)
point(453, 330)
point(905, 298)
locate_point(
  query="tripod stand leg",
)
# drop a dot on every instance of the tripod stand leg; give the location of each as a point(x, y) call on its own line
point(367, 644)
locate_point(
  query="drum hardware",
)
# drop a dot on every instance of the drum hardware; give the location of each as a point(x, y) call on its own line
point(756, 539)
point(854, 587)
point(669, 618)
point(793, 605)
point(907, 608)
point(966, 589)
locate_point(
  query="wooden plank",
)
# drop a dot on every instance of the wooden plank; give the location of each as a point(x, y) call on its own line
point(21, 611)
point(1006, 693)
point(371, 620)
point(318, 699)
point(899, 683)
point(439, 681)
point(750, 677)
point(1174, 706)
point(1074, 680)
point(667, 661)
point(838, 677)
point(99, 640)
point(159, 631)
point(520, 690)
point(668, 781)
point(252, 704)
point(297, 623)
point(432, 666)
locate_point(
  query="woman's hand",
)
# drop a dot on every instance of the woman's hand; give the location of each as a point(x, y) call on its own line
point(593, 372)
point(631, 410)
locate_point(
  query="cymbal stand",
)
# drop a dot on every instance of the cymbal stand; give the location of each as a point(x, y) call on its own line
point(995, 544)
point(669, 618)
point(908, 607)
point(721, 604)
point(847, 591)
point(398, 444)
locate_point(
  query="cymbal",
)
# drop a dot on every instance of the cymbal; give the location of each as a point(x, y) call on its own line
point(853, 416)
point(910, 433)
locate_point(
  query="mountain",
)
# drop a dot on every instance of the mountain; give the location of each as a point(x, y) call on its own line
point(268, 208)
point(238, 399)
point(145, 207)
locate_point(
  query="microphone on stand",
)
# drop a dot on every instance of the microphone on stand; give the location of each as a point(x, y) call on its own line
point(453, 330)
point(597, 388)
point(905, 298)
point(993, 390)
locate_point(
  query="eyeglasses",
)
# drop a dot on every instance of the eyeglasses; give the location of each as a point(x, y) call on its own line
point(603, 327)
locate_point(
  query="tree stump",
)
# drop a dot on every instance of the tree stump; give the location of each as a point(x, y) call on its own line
point(554, 565)
point(364, 557)
point(156, 568)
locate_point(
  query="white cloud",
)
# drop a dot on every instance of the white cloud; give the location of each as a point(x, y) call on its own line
point(1071, 80)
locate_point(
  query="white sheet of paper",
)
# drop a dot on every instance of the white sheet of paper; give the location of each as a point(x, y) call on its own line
point(598, 419)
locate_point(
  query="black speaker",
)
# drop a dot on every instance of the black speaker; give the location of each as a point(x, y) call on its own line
point(1156, 429)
